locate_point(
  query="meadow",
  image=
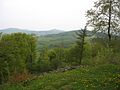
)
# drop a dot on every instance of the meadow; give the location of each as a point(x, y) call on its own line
point(103, 77)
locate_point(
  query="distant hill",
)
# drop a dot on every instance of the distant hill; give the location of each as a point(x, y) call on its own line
point(13, 30)
point(57, 40)
point(49, 32)
point(54, 38)
point(65, 39)
point(38, 33)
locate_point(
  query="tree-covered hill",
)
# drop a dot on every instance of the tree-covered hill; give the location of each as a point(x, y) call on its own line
point(64, 39)
point(37, 33)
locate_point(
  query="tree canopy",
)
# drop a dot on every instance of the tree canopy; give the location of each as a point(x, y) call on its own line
point(17, 51)
point(105, 16)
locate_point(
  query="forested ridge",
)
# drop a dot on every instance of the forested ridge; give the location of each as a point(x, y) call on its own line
point(75, 60)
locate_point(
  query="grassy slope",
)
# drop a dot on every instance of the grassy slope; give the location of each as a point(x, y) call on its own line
point(106, 77)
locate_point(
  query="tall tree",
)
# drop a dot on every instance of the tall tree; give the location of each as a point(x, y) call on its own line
point(0, 35)
point(105, 15)
point(81, 41)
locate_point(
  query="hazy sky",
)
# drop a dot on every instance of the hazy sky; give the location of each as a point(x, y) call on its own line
point(44, 14)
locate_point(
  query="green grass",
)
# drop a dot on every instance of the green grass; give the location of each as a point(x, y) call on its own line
point(105, 77)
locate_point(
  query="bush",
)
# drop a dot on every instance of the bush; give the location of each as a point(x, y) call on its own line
point(105, 53)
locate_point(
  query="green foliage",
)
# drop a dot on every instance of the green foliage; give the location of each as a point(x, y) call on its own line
point(54, 58)
point(105, 77)
point(17, 51)
point(43, 63)
point(99, 52)
point(72, 55)
point(105, 16)
point(49, 60)
point(65, 39)
point(18, 55)
point(81, 42)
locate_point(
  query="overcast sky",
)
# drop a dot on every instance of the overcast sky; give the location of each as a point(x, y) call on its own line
point(44, 14)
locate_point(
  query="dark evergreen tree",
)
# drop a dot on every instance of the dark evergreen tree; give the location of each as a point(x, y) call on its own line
point(80, 42)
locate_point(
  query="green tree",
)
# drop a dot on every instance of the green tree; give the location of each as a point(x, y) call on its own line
point(14, 52)
point(0, 35)
point(72, 55)
point(80, 42)
point(43, 63)
point(105, 16)
point(53, 59)
point(31, 55)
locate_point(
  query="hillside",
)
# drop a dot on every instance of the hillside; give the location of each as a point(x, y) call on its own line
point(64, 39)
point(105, 77)
point(53, 38)
point(37, 33)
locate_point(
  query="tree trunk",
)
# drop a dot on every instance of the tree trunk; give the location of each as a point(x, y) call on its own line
point(82, 45)
point(109, 23)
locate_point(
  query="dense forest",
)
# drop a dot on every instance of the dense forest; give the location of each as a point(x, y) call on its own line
point(80, 58)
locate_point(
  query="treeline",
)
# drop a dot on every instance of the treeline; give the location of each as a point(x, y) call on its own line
point(19, 57)
point(95, 52)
